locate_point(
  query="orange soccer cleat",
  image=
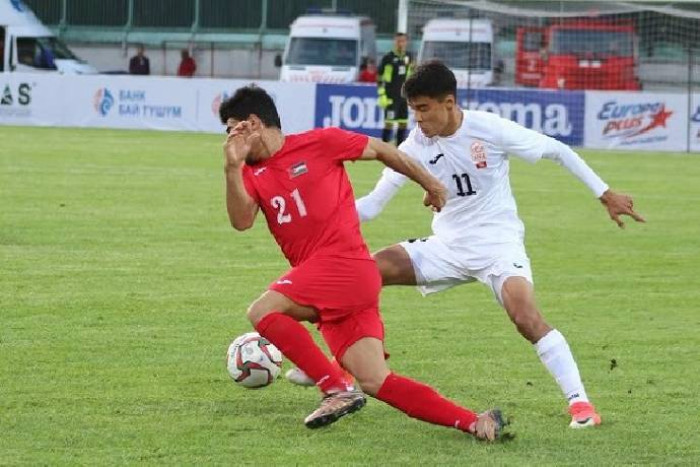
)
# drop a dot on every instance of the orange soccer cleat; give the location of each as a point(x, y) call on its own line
point(583, 415)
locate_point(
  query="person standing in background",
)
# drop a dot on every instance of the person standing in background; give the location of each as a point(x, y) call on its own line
point(187, 67)
point(369, 72)
point(394, 68)
point(139, 63)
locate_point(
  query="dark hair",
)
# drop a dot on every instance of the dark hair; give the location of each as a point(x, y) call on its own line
point(250, 100)
point(432, 79)
point(400, 34)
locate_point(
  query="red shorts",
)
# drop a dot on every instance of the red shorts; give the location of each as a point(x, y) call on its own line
point(346, 294)
point(341, 334)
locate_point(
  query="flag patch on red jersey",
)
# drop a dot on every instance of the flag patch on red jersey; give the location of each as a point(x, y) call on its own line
point(298, 169)
point(478, 153)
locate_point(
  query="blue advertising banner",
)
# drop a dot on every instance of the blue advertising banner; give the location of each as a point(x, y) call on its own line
point(559, 114)
point(352, 107)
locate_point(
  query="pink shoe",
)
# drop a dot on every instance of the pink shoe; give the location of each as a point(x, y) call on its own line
point(583, 415)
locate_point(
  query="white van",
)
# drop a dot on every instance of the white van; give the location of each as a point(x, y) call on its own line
point(26, 45)
point(464, 45)
point(328, 48)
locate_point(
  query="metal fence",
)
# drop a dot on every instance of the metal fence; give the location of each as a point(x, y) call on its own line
point(203, 15)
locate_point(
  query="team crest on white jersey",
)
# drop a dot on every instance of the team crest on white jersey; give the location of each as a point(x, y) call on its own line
point(478, 153)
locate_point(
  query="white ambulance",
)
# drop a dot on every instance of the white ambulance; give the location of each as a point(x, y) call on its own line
point(465, 45)
point(26, 45)
point(327, 48)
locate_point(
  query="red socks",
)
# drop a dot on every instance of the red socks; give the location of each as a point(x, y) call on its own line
point(295, 342)
point(424, 403)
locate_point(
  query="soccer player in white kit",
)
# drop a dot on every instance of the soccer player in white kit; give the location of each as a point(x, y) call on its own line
point(478, 235)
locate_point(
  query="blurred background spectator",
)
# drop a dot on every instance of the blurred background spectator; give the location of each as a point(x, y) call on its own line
point(187, 66)
point(139, 64)
point(369, 72)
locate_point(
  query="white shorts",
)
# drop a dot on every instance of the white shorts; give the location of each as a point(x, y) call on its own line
point(438, 267)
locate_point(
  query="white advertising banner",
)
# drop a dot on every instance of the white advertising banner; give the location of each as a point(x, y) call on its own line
point(295, 102)
point(695, 124)
point(131, 102)
point(122, 101)
point(646, 121)
point(31, 99)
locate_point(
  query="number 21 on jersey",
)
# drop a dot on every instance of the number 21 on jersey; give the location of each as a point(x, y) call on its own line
point(280, 203)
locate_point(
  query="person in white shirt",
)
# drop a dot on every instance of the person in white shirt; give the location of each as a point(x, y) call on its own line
point(478, 235)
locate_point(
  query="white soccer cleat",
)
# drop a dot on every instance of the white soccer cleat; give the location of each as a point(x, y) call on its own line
point(298, 377)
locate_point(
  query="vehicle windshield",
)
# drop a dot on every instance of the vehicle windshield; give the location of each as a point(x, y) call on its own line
point(459, 55)
point(593, 42)
point(532, 41)
point(40, 52)
point(321, 51)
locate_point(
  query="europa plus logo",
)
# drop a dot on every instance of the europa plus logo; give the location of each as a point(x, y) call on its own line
point(103, 101)
point(630, 120)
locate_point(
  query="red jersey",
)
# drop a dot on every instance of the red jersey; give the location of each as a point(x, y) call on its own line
point(187, 67)
point(306, 195)
point(367, 76)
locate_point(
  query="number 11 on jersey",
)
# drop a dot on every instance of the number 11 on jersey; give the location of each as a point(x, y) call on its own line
point(463, 181)
point(280, 203)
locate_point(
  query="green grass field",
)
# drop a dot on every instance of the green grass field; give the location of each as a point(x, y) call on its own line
point(121, 285)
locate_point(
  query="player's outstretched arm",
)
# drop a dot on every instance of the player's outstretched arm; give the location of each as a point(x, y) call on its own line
point(617, 204)
point(370, 205)
point(531, 145)
point(241, 207)
point(436, 193)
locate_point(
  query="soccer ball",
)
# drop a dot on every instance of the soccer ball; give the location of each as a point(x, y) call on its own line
point(253, 361)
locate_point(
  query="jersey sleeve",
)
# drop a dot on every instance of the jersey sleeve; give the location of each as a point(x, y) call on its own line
point(380, 69)
point(341, 145)
point(520, 141)
point(369, 206)
point(533, 146)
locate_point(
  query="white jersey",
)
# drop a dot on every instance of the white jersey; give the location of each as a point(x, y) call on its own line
point(481, 216)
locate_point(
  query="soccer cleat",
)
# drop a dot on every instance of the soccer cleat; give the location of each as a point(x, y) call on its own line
point(298, 377)
point(489, 426)
point(583, 415)
point(333, 406)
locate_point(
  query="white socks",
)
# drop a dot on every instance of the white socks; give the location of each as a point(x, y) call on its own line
point(556, 356)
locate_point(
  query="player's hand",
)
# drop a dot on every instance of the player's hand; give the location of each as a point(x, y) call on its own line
point(618, 205)
point(239, 143)
point(436, 197)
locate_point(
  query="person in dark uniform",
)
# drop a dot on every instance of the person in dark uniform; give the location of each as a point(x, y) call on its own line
point(139, 63)
point(394, 69)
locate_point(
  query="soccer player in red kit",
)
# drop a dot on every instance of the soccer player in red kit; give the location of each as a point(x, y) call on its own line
point(300, 184)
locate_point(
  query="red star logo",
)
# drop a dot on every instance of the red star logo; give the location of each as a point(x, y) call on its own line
point(658, 119)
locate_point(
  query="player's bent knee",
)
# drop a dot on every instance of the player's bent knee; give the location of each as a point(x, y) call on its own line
point(529, 323)
point(256, 312)
point(371, 384)
point(395, 266)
